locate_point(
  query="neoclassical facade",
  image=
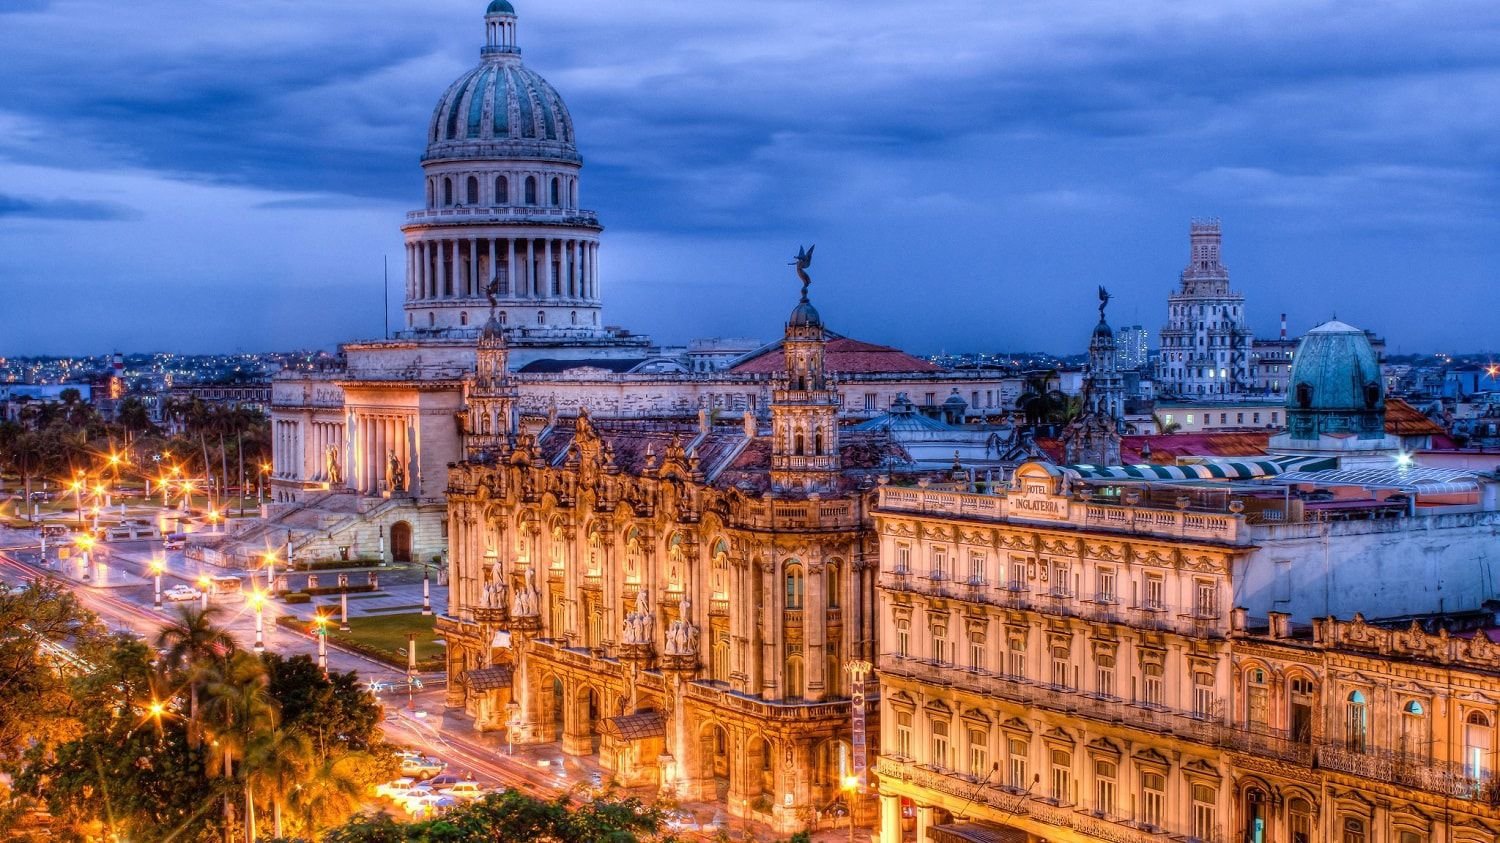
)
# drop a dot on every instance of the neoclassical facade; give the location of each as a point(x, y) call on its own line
point(1050, 679)
point(680, 598)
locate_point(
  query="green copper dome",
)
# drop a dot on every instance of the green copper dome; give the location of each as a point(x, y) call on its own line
point(500, 7)
point(1336, 385)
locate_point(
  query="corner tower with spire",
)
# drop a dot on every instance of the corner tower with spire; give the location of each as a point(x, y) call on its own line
point(804, 405)
point(491, 414)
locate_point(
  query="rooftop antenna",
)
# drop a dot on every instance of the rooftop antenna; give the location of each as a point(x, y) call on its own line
point(385, 301)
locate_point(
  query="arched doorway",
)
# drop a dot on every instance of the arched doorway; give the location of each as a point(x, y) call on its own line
point(716, 758)
point(595, 713)
point(556, 714)
point(400, 542)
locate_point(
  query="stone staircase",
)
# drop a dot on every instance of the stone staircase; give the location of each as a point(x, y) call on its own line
point(331, 525)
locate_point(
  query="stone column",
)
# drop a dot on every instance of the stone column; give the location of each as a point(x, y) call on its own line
point(517, 281)
point(771, 660)
point(924, 820)
point(473, 275)
point(529, 270)
point(890, 819)
point(494, 268)
point(547, 276)
point(570, 283)
point(594, 270)
point(814, 632)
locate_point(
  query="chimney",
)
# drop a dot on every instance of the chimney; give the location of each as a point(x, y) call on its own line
point(1278, 624)
point(1283, 326)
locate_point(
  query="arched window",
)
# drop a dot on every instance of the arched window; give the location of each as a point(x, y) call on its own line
point(1299, 820)
point(1477, 744)
point(531, 190)
point(431, 199)
point(1356, 722)
point(556, 194)
point(831, 584)
point(573, 316)
point(463, 317)
point(794, 677)
point(1353, 831)
point(502, 317)
point(1413, 730)
point(472, 194)
point(502, 190)
point(541, 317)
point(431, 319)
point(720, 581)
point(1257, 699)
point(799, 443)
point(794, 586)
point(818, 441)
point(447, 191)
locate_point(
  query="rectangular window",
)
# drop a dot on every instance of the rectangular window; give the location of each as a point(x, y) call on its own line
point(940, 563)
point(1104, 787)
point(869, 401)
point(1104, 585)
point(940, 757)
point(1152, 684)
point(976, 568)
point(940, 645)
point(1223, 418)
point(1274, 416)
point(903, 558)
point(1155, 596)
point(1062, 777)
point(1017, 575)
point(1104, 674)
point(1206, 599)
point(1017, 663)
point(1203, 694)
point(1061, 667)
point(903, 639)
point(1255, 418)
point(1018, 778)
point(976, 653)
point(903, 734)
point(1205, 813)
point(979, 754)
point(1153, 799)
point(1239, 418)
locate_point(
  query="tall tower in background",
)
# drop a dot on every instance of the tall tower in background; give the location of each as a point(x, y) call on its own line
point(1205, 346)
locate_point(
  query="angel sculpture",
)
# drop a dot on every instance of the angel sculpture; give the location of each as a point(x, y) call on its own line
point(802, 262)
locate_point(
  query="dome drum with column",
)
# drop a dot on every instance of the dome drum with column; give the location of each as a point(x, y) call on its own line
point(502, 185)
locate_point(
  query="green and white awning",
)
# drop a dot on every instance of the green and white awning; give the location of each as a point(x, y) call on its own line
point(1241, 469)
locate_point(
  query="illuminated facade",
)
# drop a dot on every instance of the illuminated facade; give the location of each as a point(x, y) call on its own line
point(681, 599)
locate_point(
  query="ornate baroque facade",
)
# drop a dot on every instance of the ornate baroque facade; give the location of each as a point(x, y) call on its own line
point(681, 599)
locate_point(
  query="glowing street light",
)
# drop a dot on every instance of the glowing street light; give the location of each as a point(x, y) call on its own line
point(157, 567)
point(213, 520)
point(86, 545)
point(321, 622)
point(270, 570)
point(851, 786)
point(203, 583)
point(258, 603)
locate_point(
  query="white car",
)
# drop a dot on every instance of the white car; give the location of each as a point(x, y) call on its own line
point(466, 790)
point(181, 592)
point(395, 790)
point(425, 805)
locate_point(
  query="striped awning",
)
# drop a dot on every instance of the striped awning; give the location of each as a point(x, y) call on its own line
point(490, 678)
point(1207, 469)
point(976, 832)
point(1419, 480)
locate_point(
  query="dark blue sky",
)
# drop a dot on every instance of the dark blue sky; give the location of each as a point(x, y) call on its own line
point(227, 175)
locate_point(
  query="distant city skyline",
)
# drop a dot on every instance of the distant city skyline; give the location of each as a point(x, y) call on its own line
point(217, 180)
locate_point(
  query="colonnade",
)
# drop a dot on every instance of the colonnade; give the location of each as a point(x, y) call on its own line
point(378, 439)
point(326, 439)
point(288, 448)
point(539, 269)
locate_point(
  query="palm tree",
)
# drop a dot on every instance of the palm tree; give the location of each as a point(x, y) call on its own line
point(239, 707)
point(194, 640)
point(331, 794)
point(278, 762)
point(24, 452)
point(1040, 402)
point(1164, 426)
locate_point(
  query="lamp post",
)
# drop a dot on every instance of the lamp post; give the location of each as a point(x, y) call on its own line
point(271, 571)
point(411, 667)
point(512, 722)
point(213, 521)
point(851, 786)
point(258, 602)
point(85, 545)
point(77, 487)
point(322, 624)
point(426, 592)
point(344, 609)
point(203, 583)
point(156, 569)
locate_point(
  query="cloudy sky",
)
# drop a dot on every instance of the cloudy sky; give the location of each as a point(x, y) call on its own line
point(202, 175)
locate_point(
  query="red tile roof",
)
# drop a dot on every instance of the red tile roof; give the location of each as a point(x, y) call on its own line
point(1402, 419)
point(844, 356)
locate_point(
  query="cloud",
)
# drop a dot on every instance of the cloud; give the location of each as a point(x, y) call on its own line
point(19, 207)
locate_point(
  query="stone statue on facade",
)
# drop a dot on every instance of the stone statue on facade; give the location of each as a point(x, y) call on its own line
point(639, 622)
point(682, 634)
point(528, 599)
point(395, 473)
point(334, 470)
point(802, 262)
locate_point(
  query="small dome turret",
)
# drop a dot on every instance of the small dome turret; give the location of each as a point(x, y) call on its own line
point(804, 315)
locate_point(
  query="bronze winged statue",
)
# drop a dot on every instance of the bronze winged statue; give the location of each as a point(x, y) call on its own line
point(802, 262)
point(1104, 298)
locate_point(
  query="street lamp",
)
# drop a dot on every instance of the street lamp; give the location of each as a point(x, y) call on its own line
point(86, 545)
point(513, 722)
point(157, 566)
point(322, 624)
point(203, 583)
point(77, 488)
point(851, 786)
point(271, 571)
point(213, 520)
point(426, 591)
point(411, 667)
point(258, 603)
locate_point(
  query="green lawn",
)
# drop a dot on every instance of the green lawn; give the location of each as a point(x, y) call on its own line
point(385, 636)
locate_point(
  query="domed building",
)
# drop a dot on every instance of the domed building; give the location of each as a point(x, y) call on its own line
point(1336, 399)
point(502, 213)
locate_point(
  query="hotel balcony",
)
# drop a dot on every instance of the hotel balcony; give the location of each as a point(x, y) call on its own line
point(1444, 778)
point(1202, 729)
point(1019, 806)
point(1195, 621)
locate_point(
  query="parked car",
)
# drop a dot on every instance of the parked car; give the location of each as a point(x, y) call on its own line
point(181, 592)
point(395, 790)
point(468, 791)
point(175, 541)
point(425, 805)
